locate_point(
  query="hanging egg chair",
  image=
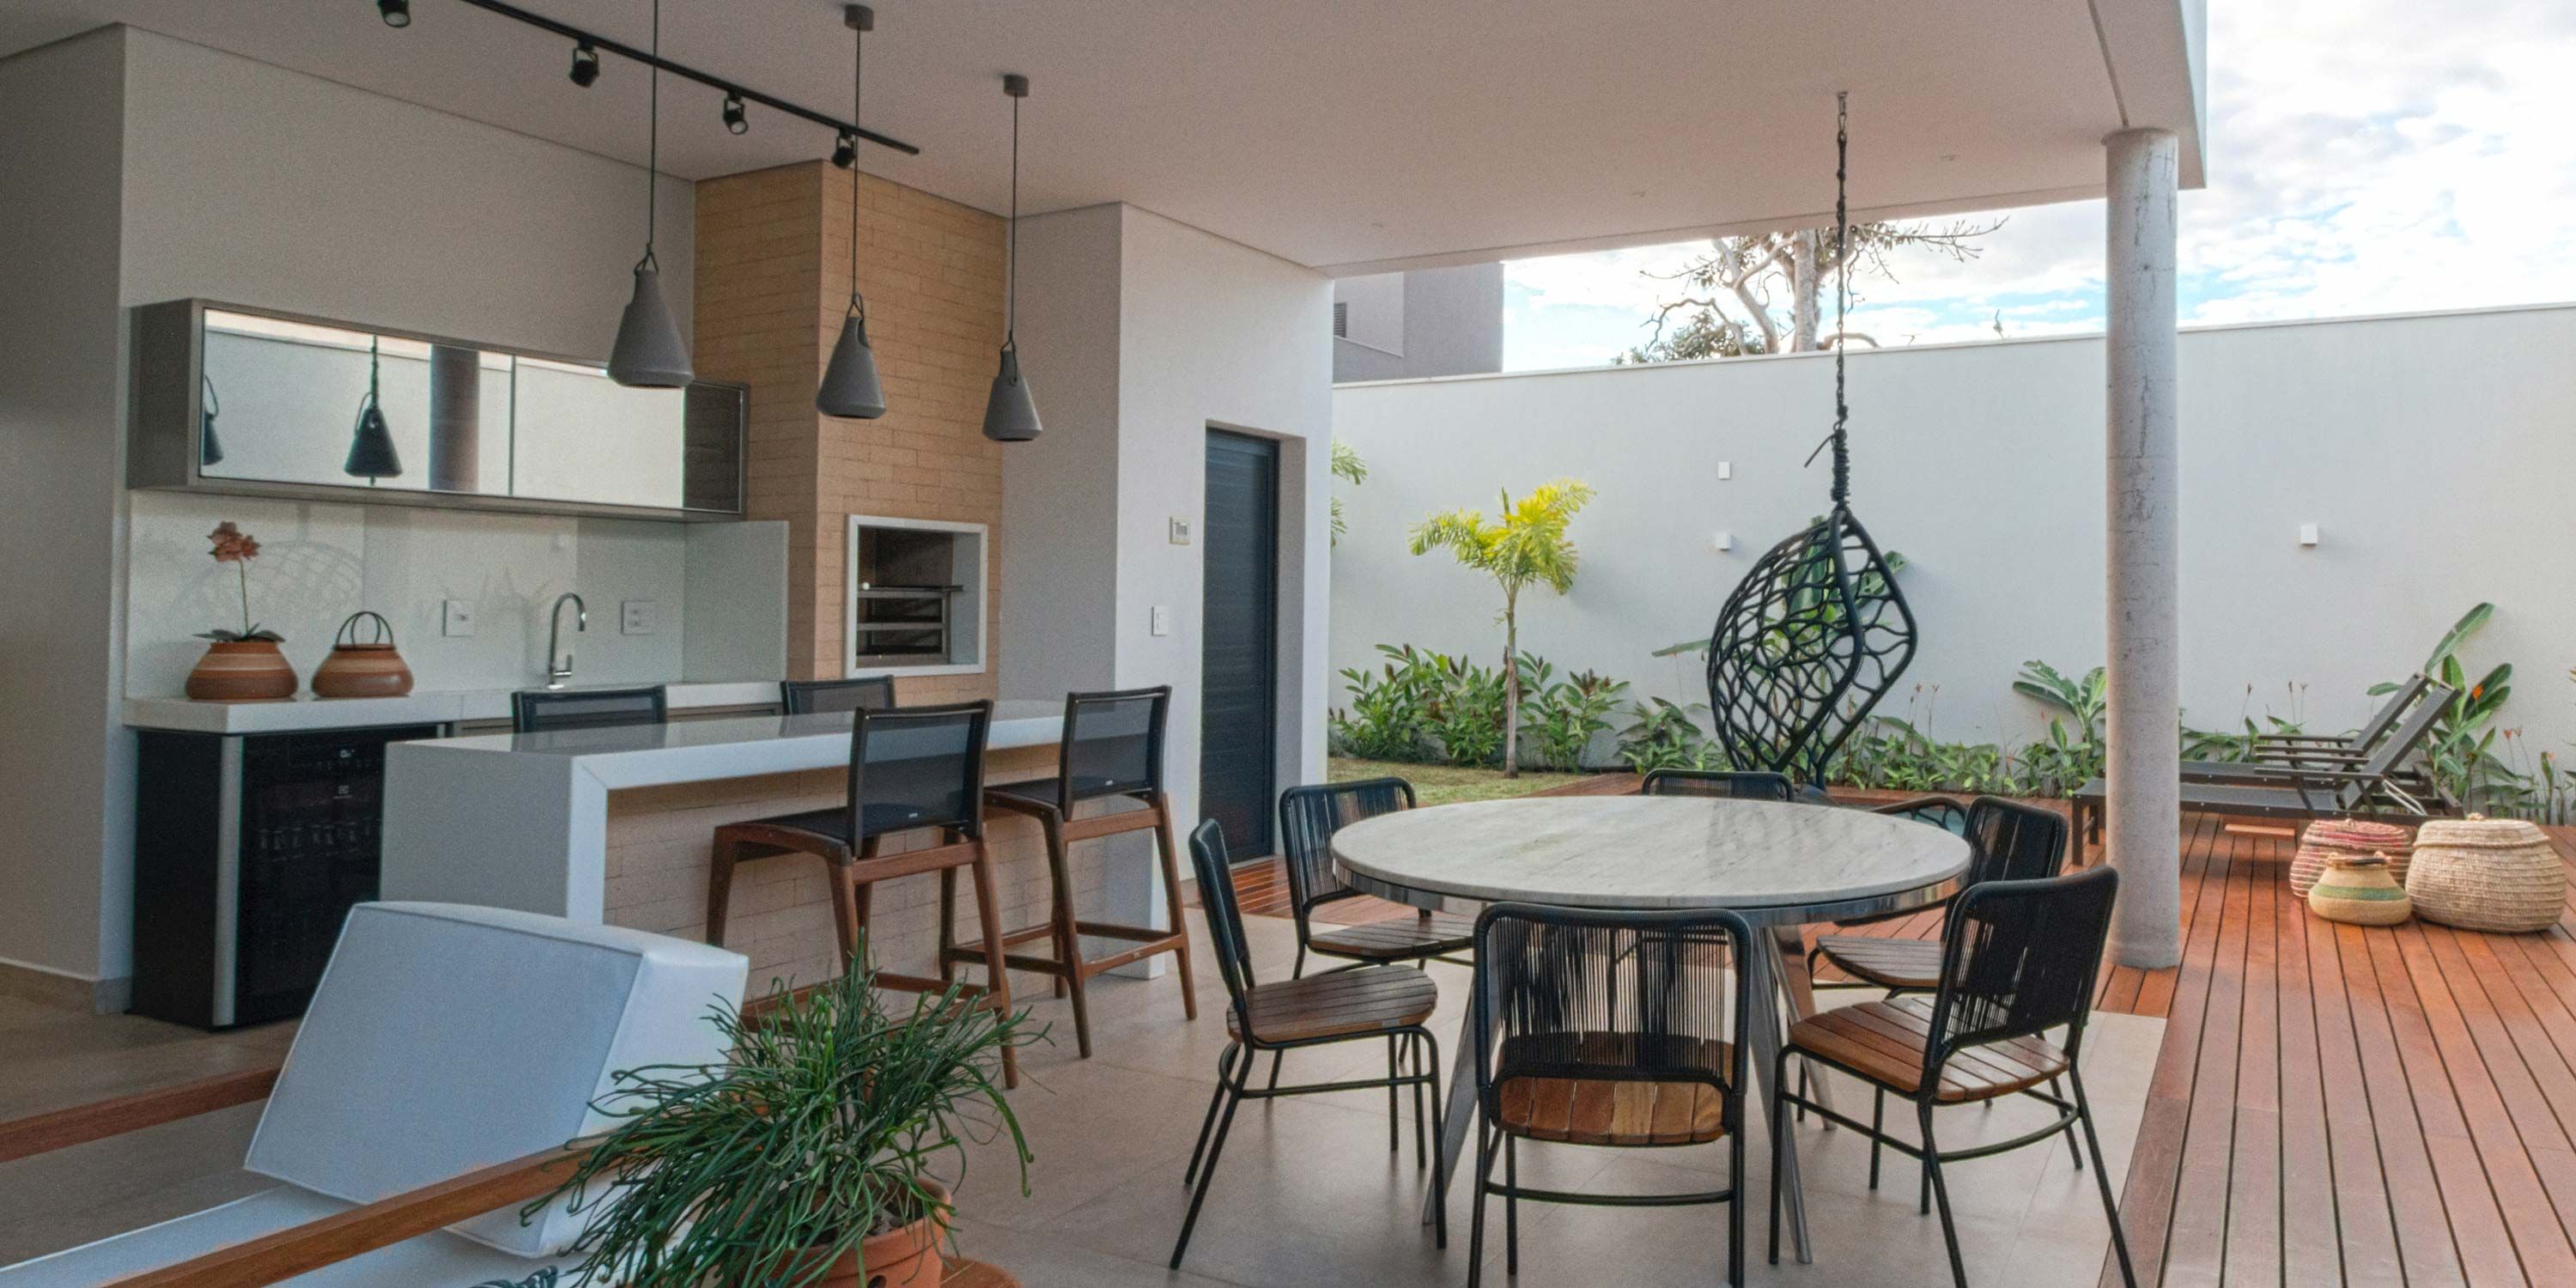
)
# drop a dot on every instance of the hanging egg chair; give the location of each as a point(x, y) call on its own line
point(1818, 632)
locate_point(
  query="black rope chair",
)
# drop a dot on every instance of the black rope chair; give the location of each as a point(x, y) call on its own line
point(2018, 959)
point(1752, 785)
point(1291, 1014)
point(1632, 1013)
point(2006, 842)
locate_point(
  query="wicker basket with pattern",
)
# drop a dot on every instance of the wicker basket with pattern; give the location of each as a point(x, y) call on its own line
point(2495, 874)
point(2328, 838)
point(2356, 889)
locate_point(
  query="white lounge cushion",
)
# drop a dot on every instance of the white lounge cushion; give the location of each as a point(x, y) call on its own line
point(435, 1261)
point(446, 1038)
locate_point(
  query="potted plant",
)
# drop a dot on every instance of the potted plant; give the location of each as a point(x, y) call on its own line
point(807, 1159)
point(243, 665)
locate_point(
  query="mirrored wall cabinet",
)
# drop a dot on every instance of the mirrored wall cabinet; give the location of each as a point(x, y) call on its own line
point(249, 401)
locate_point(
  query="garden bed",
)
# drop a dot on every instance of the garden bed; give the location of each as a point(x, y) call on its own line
point(1451, 784)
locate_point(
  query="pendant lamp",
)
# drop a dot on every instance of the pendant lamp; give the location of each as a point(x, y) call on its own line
point(210, 450)
point(1011, 415)
point(1818, 632)
point(371, 446)
point(649, 353)
point(850, 386)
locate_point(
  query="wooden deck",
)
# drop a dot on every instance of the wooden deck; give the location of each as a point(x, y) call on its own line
point(2332, 1104)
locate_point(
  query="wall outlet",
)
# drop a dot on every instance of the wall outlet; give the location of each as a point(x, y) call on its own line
point(639, 617)
point(1725, 470)
point(1722, 542)
point(1160, 620)
point(2307, 534)
point(456, 619)
point(1180, 532)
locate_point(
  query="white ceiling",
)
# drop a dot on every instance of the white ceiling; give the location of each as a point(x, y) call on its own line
point(1351, 135)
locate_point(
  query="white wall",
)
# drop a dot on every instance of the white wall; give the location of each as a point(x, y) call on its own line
point(2434, 452)
point(62, 111)
point(1139, 334)
point(135, 168)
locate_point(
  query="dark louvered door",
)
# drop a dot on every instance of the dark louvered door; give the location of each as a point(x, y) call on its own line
point(1239, 666)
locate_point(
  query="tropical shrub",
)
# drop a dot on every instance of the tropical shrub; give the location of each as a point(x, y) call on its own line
point(1666, 735)
point(2460, 753)
point(1561, 717)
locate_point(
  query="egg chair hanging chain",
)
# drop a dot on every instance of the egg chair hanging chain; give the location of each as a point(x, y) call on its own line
point(1842, 290)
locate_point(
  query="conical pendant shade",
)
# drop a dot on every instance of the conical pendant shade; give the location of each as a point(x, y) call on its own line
point(210, 449)
point(649, 353)
point(850, 385)
point(1011, 415)
point(371, 449)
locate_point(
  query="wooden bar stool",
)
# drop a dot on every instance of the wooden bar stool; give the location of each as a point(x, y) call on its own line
point(910, 769)
point(1113, 749)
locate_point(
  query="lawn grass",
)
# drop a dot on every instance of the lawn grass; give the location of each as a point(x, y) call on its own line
point(1449, 784)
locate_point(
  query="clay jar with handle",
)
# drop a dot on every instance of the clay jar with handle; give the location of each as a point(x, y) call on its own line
point(371, 668)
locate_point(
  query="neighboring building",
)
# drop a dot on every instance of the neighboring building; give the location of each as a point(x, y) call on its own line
point(1405, 326)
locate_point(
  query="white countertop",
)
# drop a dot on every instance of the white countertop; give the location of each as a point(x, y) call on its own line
point(304, 711)
point(689, 751)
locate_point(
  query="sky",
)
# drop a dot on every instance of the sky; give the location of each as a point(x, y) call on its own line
point(2366, 156)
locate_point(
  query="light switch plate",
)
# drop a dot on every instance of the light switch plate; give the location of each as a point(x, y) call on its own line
point(456, 618)
point(1725, 470)
point(639, 617)
point(2307, 534)
point(1180, 535)
point(1160, 621)
point(1722, 541)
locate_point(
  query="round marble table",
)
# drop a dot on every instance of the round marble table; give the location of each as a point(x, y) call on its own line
point(1782, 866)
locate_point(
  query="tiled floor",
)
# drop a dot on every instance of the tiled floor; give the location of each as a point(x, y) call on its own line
point(1307, 1193)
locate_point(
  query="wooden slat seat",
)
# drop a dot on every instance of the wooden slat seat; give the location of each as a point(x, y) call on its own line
point(1352, 1001)
point(1618, 1111)
point(1912, 964)
point(1397, 938)
point(1884, 1041)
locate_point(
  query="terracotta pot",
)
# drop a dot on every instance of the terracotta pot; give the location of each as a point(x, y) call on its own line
point(2357, 890)
point(355, 670)
point(241, 671)
point(903, 1258)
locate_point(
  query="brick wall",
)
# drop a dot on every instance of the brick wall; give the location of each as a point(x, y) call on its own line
point(773, 256)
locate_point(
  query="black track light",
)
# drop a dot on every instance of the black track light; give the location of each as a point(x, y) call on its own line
point(733, 118)
point(845, 152)
point(585, 65)
point(397, 13)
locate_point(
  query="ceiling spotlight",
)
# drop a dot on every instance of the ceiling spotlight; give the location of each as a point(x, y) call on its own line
point(585, 65)
point(397, 13)
point(845, 152)
point(733, 118)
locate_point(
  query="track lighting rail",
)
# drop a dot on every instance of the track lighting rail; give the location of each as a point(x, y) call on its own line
point(649, 59)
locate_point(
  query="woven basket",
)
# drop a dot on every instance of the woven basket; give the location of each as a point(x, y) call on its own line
point(2351, 837)
point(2357, 890)
point(2487, 874)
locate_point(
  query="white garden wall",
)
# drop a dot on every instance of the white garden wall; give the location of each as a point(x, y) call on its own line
point(2435, 453)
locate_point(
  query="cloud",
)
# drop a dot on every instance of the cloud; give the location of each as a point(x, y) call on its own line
point(2364, 156)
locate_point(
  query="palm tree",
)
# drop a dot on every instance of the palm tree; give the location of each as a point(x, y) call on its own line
point(1526, 546)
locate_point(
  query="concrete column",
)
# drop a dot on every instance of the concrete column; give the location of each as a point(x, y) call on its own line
point(2143, 827)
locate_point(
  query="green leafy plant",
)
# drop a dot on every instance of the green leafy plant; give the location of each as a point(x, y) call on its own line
point(1390, 713)
point(1348, 467)
point(1563, 716)
point(1526, 546)
point(2459, 755)
point(2074, 751)
point(1662, 734)
point(820, 1131)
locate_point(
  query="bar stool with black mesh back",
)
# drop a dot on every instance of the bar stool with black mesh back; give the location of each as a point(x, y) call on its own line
point(2018, 958)
point(911, 770)
point(1113, 751)
point(1612, 1028)
point(809, 697)
point(1342, 1006)
point(541, 710)
point(1747, 785)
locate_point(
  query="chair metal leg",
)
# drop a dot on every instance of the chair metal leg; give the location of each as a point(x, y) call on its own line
point(2071, 1148)
point(1780, 1072)
point(1512, 1206)
point(1296, 972)
point(2102, 1177)
point(1476, 1224)
point(1941, 1190)
point(1233, 1094)
point(1421, 1139)
point(1735, 1201)
point(1224, 1075)
point(1877, 1128)
point(1439, 1179)
point(1394, 1102)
